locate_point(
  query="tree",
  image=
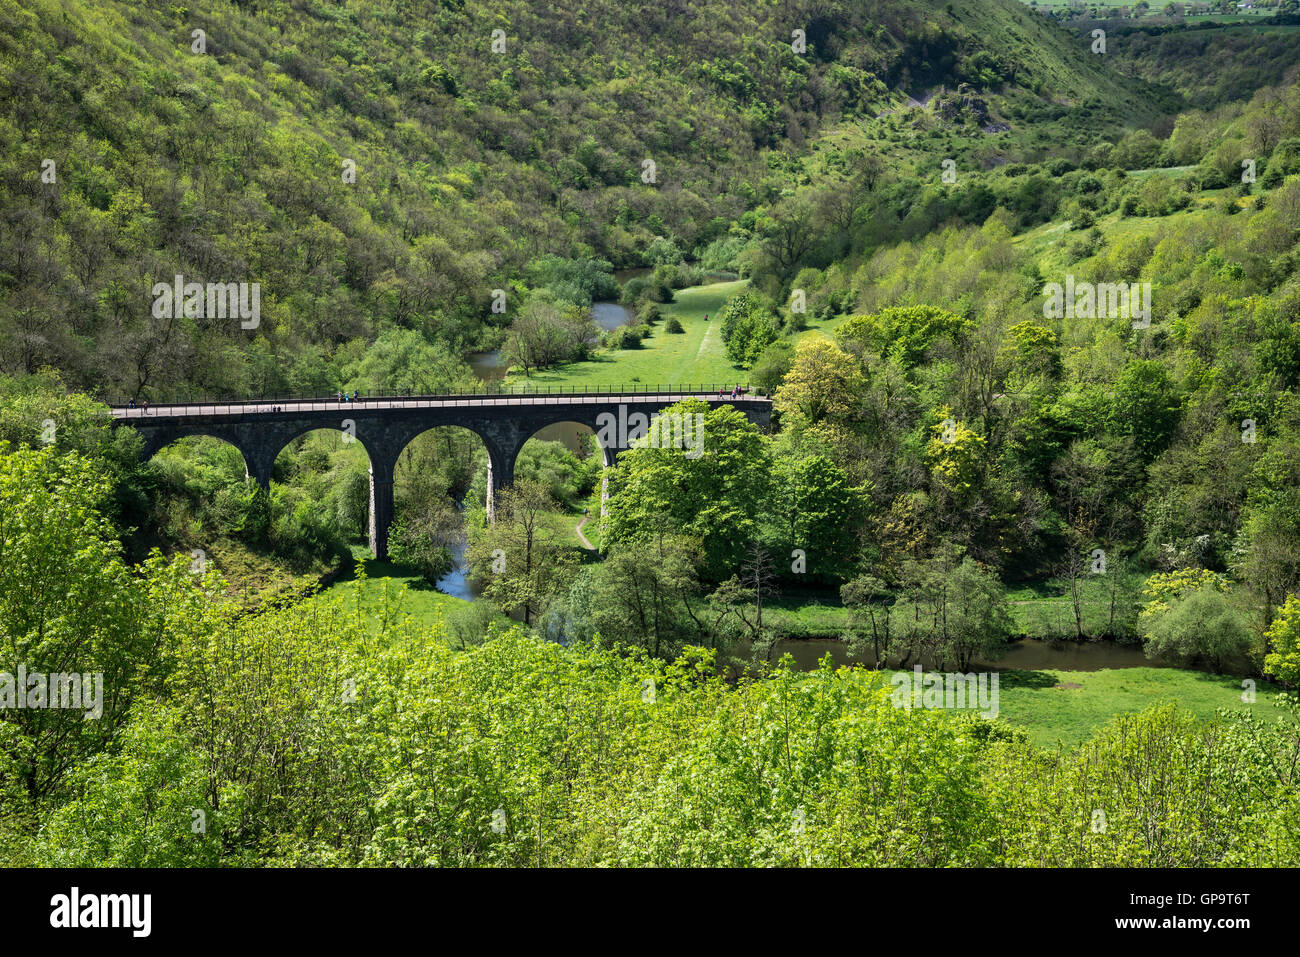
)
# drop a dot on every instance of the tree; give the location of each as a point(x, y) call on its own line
point(952, 609)
point(519, 559)
point(717, 497)
point(866, 597)
point(404, 362)
point(642, 595)
point(791, 232)
point(748, 327)
point(424, 539)
point(746, 590)
point(1203, 625)
point(1145, 406)
point(1268, 550)
point(907, 332)
point(70, 605)
point(818, 513)
point(1283, 637)
point(824, 383)
point(546, 333)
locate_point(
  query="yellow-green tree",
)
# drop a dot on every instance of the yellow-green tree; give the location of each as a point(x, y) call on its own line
point(1283, 662)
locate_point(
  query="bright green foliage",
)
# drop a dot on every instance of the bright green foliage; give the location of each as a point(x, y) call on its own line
point(955, 454)
point(817, 510)
point(1283, 636)
point(748, 327)
point(332, 731)
point(1164, 588)
point(145, 804)
point(950, 611)
point(1151, 790)
point(823, 383)
point(68, 603)
point(716, 497)
point(579, 281)
point(906, 333)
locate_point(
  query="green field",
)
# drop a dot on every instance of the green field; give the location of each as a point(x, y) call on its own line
point(692, 357)
point(388, 586)
point(1052, 713)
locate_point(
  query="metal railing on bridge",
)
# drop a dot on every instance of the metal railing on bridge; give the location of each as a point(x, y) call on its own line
point(456, 397)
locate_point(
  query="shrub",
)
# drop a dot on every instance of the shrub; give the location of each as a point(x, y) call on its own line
point(624, 337)
point(1205, 625)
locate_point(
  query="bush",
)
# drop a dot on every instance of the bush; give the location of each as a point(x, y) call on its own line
point(632, 290)
point(674, 325)
point(770, 368)
point(1206, 625)
point(624, 337)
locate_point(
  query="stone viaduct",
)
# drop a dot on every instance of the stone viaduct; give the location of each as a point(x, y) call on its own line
point(385, 426)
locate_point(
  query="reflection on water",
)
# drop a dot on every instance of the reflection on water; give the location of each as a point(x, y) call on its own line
point(573, 435)
point(1029, 654)
point(623, 275)
point(488, 365)
point(456, 582)
point(610, 315)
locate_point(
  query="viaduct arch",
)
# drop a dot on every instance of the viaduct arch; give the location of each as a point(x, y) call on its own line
point(385, 426)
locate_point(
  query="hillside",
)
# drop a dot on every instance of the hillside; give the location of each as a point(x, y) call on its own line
point(236, 164)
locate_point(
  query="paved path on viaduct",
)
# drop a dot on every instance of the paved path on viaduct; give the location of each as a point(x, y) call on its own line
point(385, 426)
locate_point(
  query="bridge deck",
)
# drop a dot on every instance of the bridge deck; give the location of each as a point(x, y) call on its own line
point(430, 402)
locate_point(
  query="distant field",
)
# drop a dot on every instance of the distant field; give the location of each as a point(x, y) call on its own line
point(389, 585)
point(1052, 715)
point(692, 357)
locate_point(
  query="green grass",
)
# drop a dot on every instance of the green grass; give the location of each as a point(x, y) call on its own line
point(397, 585)
point(1066, 716)
point(565, 525)
point(692, 357)
point(807, 618)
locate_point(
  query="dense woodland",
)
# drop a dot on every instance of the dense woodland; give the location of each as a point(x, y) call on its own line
point(940, 440)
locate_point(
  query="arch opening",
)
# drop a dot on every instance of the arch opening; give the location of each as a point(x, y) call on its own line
point(320, 498)
point(441, 482)
point(202, 501)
